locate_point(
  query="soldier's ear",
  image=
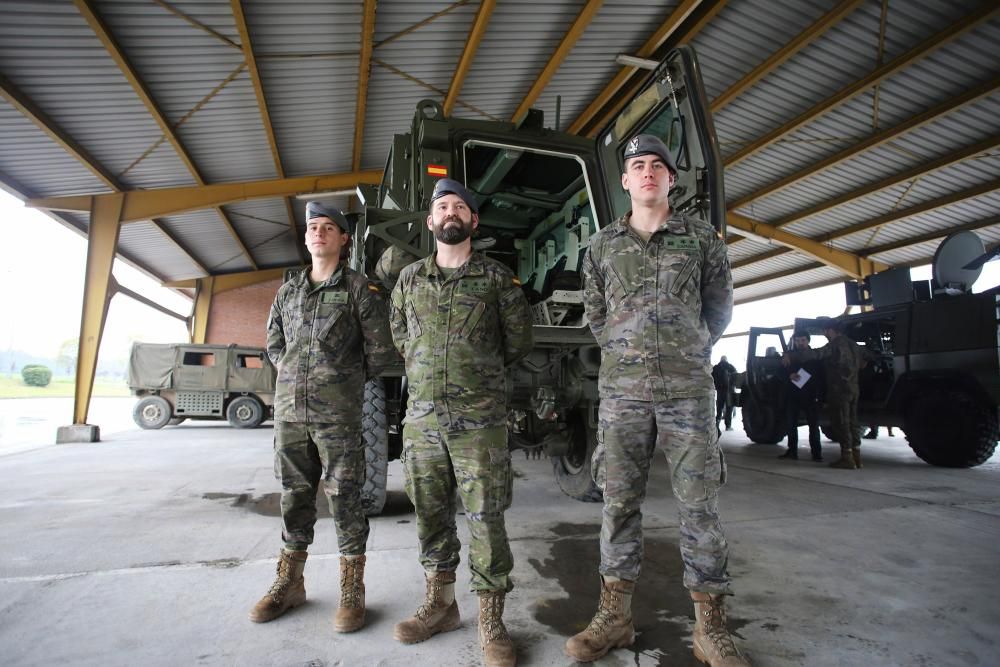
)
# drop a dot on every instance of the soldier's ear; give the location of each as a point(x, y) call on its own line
point(475, 220)
point(430, 222)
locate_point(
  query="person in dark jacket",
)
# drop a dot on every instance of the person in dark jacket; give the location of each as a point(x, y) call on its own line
point(722, 375)
point(805, 398)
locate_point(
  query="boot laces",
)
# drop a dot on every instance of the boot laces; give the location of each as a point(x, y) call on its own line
point(491, 618)
point(281, 582)
point(715, 628)
point(432, 601)
point(607, 612)
point(350, 585)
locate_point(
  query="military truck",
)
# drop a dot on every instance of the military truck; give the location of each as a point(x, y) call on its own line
point(177, 381)
point(541, 195)
point(933, 360)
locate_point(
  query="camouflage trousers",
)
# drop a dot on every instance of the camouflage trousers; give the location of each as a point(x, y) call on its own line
point(629, 434)
point(304, 455)
point(476, 464)
point(844, 426)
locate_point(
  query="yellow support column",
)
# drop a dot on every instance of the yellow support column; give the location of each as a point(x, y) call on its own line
point(102, 243)
point(202, 307)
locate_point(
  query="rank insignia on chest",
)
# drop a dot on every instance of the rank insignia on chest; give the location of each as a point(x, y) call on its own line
point(477, 286)
point(334, 297)
point(682, 243)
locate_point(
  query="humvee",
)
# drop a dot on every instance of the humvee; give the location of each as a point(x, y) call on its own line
point(933, 361)
point(181, 381)
point(541, 195)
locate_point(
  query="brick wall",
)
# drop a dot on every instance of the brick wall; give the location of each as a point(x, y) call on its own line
point(240, 315)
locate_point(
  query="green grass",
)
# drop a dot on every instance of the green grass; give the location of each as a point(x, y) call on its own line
point(14, 387)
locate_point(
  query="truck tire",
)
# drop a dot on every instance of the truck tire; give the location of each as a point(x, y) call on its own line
point(245, 412)
point(946, 426)
point(573, 470)
point(152, 412)
point(759, 421)
point(375, 435)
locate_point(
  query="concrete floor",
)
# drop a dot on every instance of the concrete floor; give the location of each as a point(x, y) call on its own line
point(151, 547)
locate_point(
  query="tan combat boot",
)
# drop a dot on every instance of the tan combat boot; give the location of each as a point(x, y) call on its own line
point(287, 591)
point(611, 626)
point(713, 644)
point(498, 649)
point(350, 615)
point(856, 456)
point(846, 460)
point(438, 613)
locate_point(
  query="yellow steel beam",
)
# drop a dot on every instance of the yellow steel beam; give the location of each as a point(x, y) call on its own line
point(666, 29)
point(145, 204)
point(265, 114)
point(468, 54)
point(364, 72)
point(638, 79)
point(202, 308)
point(987, 11)
point(229, 281)
point(782, 55)
point(105, 224)
point(574, 33)
point(111, 45)
point(850, 264)
point(921, 119)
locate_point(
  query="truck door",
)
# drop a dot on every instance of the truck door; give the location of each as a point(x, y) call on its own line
point(671, 105)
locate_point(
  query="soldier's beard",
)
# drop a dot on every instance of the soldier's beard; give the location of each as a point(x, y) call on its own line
point(452, 234)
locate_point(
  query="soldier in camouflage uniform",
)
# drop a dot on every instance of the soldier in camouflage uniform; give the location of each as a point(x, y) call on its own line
point(459, 319)
point(326, 334)
point(658, 294)
point(842, 359)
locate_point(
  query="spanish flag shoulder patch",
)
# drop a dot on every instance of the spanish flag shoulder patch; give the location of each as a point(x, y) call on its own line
point(516, 281)
point(374, 288)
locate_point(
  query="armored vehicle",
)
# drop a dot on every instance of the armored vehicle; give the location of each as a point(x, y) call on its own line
point(541, 194)
point(932, 360)
point(175, 382)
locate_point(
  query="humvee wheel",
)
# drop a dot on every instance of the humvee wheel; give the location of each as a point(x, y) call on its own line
point(572, 470)
point(375, 435)
point(949, 427)
point(760, 423)
point(152, 412)
point(245, 412)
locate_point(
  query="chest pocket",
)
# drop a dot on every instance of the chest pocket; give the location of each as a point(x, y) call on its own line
point(615, 287)
point(333, 311)
point(470, 303)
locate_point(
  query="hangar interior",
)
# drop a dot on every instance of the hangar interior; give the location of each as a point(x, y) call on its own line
point(183, 137)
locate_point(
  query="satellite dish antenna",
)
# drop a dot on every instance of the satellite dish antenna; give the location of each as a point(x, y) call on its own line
point(955, 253)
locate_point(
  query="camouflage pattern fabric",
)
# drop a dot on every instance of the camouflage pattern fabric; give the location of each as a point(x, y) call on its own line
point(304, 455)
point(842, 358)
point(844, 426)
point(325, 342)
point(457, 335)
point(476, 464)
point(657, 307)
point(684, 429)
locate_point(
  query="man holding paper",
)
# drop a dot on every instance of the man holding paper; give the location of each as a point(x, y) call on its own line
point(805, 395)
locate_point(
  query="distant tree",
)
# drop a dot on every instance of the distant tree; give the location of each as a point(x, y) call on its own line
point(67, 355)
point(36, 375)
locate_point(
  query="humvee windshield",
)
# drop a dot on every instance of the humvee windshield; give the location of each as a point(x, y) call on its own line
point(535, 216)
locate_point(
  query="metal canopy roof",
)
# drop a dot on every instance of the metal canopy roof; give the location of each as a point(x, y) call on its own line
point(865, 126)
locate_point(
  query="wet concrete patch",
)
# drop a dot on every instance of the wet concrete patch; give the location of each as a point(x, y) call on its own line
point(662, 607)
point(269, 504)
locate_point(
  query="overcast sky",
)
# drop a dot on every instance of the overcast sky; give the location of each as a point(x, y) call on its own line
point(41, 294)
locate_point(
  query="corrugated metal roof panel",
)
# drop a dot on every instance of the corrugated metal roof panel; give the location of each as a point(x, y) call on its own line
point(151, 247)
point(263, 225)
point(53, 56)
point(215, 246)
point(819, 275)
point(39, 165)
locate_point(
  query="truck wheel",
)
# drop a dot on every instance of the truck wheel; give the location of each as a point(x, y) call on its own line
point(949, 427)
point(152, 412)
point(245, 412)
point(375, 435)
point(573, 469)
point(760, 422)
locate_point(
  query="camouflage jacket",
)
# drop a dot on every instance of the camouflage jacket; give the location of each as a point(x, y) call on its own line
point(842, 358)
point(325, 341)
point(457, 335)
point(657, 307)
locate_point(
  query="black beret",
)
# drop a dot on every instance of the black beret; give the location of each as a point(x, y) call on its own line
point(315, 209)
point(647, 144)
point(448, 186)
